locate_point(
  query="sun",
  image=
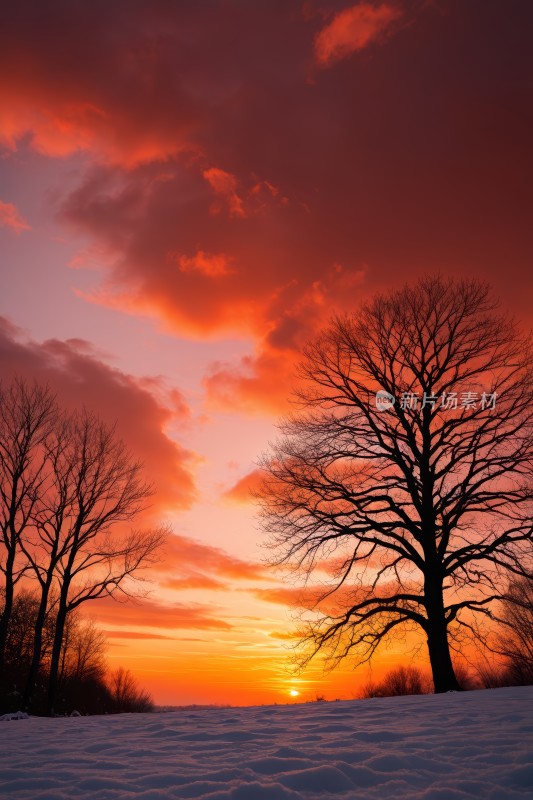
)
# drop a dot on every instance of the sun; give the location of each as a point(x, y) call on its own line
point(294, 693)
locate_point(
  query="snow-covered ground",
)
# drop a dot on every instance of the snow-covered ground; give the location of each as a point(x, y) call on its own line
point(447, 747)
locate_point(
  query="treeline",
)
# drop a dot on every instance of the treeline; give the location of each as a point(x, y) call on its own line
point(85, 683)
point(69, 490)
point(512, 648)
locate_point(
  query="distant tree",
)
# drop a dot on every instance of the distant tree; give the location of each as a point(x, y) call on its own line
point(27, 412)
point(19, 647)
point(467, 678)
point(84, 649)
point(126, 694)
point(515, 641)
point(20, 633)
point(424, 499)
point(399, 681)
point(82, 680)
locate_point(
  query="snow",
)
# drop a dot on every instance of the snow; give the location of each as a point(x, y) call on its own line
point(446, 747)
point(13, 716)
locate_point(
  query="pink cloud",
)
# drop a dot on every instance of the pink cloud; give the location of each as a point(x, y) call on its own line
point(11, 218)
point(80, 377)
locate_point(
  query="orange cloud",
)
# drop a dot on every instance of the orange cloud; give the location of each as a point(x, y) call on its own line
point(114, 634)
point(285, 635)
point(354, 29)
point(197, 562)
point(11, 218)
point(80, 378)
point(242, 491)
point(148, 614)
point(193, 581)
point(315, 596)
point(294, 596)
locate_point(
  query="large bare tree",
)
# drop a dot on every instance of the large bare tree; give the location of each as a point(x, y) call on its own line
point(420, 495)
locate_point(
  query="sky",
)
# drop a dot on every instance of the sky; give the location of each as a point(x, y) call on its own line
point(188, 192)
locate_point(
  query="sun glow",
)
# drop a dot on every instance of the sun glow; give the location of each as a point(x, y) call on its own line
point(294, 693)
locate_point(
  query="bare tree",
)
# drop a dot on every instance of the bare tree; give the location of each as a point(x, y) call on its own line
point(83, 651)
point(26, 415)
point(80, 543)
point(127, 697)
point(45, 545)
point(515, 642)
point(398, 682)
point(421, 494)
point(19, 645)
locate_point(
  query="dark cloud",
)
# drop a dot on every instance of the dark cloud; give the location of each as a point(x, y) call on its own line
point(239, 186)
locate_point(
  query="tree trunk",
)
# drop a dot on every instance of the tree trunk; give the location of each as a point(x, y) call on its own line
point(444, 679)
point(56, 656)
point(7, 610)
point(37, 651)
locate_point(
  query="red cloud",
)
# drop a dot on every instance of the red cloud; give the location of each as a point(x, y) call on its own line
point(80, 378)
point(98, 80)
point(225, 185)
point(10, 218)
point(205, 263)
point(314, 184)
point(354, 29)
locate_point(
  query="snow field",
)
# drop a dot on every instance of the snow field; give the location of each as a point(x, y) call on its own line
point(446, 747)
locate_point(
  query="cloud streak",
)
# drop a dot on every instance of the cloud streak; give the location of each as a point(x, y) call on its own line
point(354, 29)
point(149, 614)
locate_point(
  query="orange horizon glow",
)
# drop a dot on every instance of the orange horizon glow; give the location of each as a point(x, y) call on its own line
point(188, 195)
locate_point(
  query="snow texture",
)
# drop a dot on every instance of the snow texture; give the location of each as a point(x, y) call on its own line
point(13, 716)
point(445, 747)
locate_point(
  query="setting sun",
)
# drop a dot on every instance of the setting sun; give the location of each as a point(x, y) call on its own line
point(294, 693)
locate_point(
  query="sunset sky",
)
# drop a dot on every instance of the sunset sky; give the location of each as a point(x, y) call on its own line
point(188, 191)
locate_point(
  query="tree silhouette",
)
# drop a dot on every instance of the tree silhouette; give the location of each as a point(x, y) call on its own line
point(421, 496)
point(27, 413)
point(93, 488)
point(126, 694)
point(515, 642)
